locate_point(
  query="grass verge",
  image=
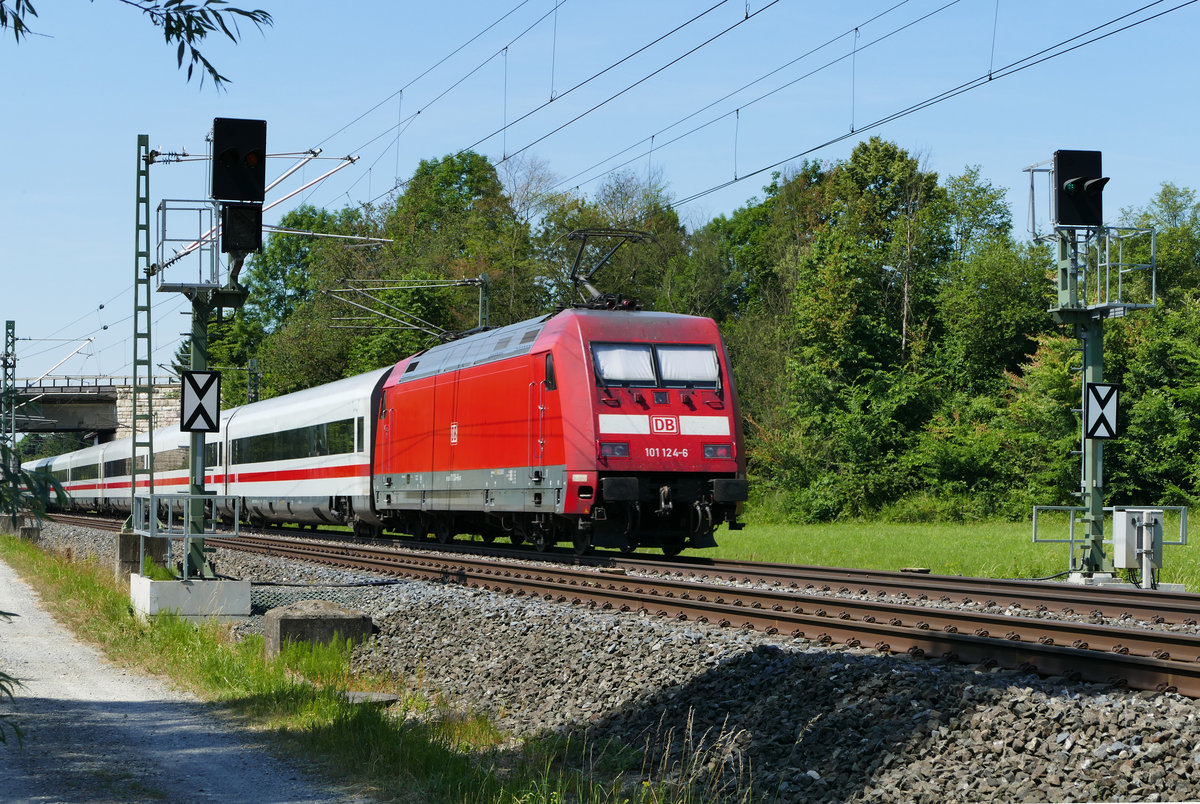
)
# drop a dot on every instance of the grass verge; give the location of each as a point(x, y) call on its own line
point(982, 549)
point(418, 751)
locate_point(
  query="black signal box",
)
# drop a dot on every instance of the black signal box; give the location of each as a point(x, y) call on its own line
point(241, 228)
point(239, 162)
point(1078, 188)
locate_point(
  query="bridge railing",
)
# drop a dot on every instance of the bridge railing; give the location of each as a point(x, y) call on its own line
point(88, 381)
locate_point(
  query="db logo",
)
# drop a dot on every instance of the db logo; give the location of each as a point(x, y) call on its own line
point(664, 425)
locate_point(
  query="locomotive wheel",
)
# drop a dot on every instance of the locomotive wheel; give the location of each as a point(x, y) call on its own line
point(672, 546)
point(541, 540)
point(582, 542)
point(517, 538)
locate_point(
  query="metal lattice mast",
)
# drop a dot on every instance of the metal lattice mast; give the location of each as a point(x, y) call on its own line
point(8, 393)
point(143, 353)
point(1072, 308)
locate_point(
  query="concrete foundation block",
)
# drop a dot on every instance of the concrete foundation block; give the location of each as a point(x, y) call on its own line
point(129, 549)
point(315, 621)
point(226, 601)
point(23, 526)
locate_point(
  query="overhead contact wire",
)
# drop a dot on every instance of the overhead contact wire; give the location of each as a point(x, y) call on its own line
point(640, 81)
point(613, 66)
point(765, 95)
point(1012, 68)
point(428, 70)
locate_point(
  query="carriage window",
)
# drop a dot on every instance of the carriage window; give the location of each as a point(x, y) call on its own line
point(624, 364)
point(86, 471)
point(116, 468)
point(171, 460)
point(330, 438)
point(688, 366)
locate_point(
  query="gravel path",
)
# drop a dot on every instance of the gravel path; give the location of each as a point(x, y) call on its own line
point(794, 721)
point(97, 733)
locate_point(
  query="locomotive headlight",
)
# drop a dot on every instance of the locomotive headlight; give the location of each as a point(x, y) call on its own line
point(614, 449)
point(718, 450)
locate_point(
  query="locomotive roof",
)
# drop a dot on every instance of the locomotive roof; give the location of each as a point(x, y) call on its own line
point(484, 347)
point(518, 339)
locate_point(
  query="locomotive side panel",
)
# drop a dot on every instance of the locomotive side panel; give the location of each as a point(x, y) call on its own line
point(477, 439)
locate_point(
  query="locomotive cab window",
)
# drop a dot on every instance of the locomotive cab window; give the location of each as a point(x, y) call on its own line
point(687, 366)
point(625, 365)
point(638, 365)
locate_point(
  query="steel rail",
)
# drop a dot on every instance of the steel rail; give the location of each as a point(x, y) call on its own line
point(1112, 602)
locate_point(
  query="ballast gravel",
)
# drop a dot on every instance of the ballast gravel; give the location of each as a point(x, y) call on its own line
point(745, 713)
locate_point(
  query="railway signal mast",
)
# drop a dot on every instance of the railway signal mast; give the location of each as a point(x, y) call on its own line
point(1098, 276)
point(8, 393)
point(239, 170)
point(238, 186)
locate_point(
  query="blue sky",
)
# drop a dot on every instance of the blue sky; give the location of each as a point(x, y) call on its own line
point(351, 77)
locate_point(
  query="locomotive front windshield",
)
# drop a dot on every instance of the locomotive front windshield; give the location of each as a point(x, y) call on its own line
point(640, 365)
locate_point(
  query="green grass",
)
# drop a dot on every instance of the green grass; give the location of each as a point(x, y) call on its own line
point(422, 750)
point(984, 549)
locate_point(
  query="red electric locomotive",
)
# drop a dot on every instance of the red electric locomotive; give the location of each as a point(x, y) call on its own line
point(601, 427)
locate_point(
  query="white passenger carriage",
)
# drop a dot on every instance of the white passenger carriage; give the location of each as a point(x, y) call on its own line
point(304, 458)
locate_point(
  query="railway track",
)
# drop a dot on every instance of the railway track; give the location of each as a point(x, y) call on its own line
point(1134, 657)
point(1115, 603)
point(796, 601)
point(1040, 596)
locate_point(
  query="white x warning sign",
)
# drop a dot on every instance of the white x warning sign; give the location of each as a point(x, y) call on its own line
point(201, 402)
point(1101, 410)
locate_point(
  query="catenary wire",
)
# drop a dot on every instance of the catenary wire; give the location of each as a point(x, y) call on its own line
point(1020, 65)
point(430, 69)
point(642, 80)
point(571, 181)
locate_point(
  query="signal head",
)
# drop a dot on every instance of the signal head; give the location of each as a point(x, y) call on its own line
point(239, 165)
point(1078, 188)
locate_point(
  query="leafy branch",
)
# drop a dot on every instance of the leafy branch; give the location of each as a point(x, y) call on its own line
point(23, 492)
point(184, 24)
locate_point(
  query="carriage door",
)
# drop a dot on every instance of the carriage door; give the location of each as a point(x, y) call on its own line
point(381, 449)
point(541, 380)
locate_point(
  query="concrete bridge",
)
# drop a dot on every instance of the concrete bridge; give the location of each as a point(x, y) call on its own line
point(90, 404)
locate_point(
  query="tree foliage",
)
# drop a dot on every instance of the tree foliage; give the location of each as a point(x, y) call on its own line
point(184, 25)
point(889, 338)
